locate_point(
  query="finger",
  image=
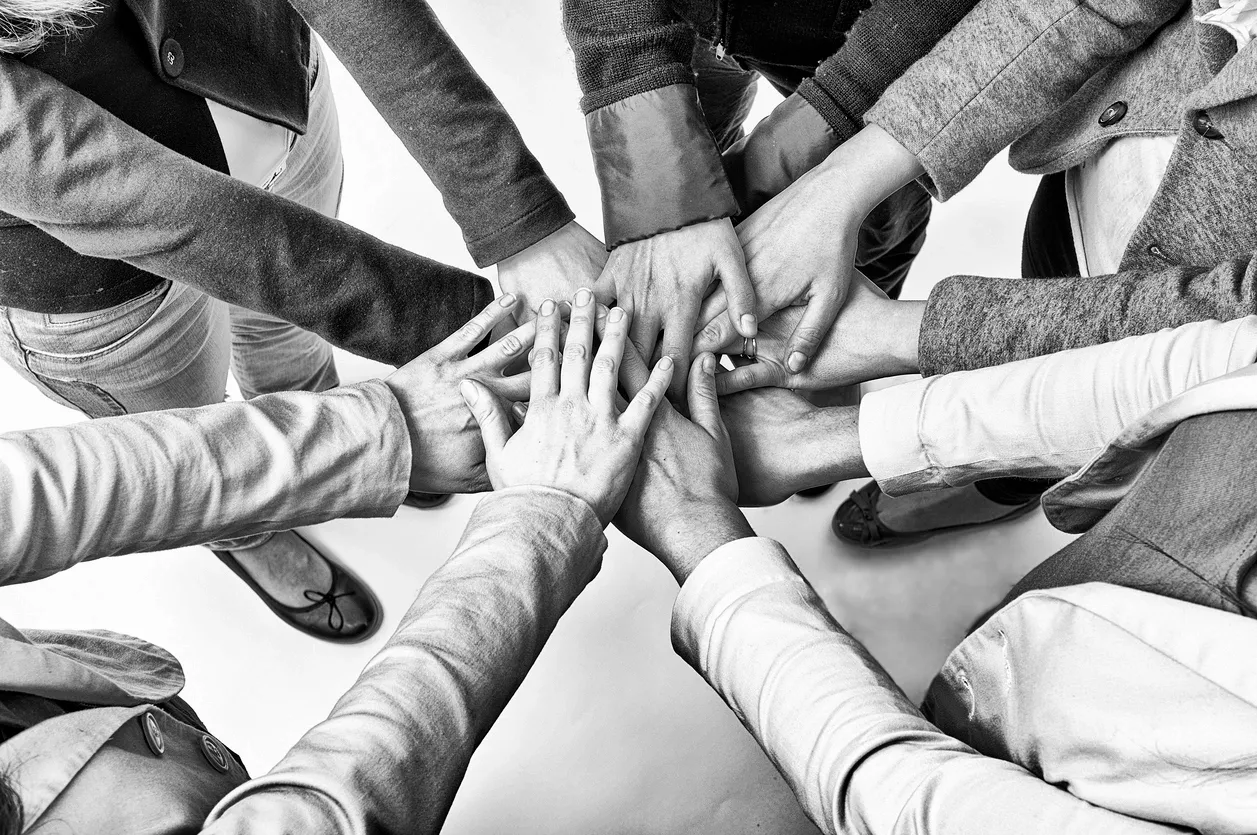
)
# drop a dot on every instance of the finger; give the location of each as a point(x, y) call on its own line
point(737, 285)
point(633, 370)
point(643, 329)
point(704, 405)
point(636, 418)
point(464, 340)
point(519, 411)
point(753, 376)
point(718, 335)
point(489, 415)
point(580, 344)
point(498, 356)
point(818, 319)
point(716, 304)
point(605, 376)
point(514, 387)
point(545, 352)
point(678, 342)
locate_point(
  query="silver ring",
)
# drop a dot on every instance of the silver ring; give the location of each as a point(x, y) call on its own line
point(750, 349)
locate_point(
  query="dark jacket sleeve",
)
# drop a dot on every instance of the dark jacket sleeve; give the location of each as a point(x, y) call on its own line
point(656, 161)
point(447, 118)
point(105, 190)
point(973, 322)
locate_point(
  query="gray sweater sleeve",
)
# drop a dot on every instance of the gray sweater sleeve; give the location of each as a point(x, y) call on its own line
point(974, 322)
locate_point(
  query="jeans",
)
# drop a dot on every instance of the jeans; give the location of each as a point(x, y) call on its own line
point(171, 346)
point(892, 234)
point(1186, 530)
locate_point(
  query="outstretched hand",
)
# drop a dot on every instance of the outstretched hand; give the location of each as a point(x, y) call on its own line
point(575, 436)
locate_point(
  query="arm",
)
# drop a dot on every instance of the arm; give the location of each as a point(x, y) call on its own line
point(858, 754)
point(828, 109)
point(447, 118)
point(105, 190)
point(1041, 417)
point(161, 480)
point(1000, 72)
point(391, 756)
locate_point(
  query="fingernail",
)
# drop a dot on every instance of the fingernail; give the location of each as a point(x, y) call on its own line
point(583, 297)
point(520, 410)
point(508, 300)
point(750, 325)
point(797, 362)
point(547, 307)
point(469, 393)
point(665, 363)
point(616, 314)
point(709, 364)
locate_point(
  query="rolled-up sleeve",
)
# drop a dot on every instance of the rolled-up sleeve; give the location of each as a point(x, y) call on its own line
point(856, 751)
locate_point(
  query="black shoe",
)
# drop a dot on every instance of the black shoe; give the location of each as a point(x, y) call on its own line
point(856, 521)
point(346, 613)
point(425, 501)
point(813, 492)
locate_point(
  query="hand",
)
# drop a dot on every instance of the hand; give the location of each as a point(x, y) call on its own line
point(682, 505)
point(662, 281)
point(800, 246)
point(553, 268)
point(574, 438)
point(783, 444)
point(447, 454)
point(872, 338)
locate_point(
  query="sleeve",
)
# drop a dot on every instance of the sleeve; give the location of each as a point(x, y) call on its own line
point(974, 322)
point(158, 480)
point(393, 752)
point(1000, 72)
point(105, 190)
point(448, 119)
point(858, 754)
point(1042, 417)
point(655, 159)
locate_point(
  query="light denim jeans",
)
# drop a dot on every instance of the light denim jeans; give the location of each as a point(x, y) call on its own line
point(171, 347)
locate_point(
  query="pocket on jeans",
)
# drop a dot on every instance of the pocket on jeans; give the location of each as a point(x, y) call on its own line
point(74, 336)
point(90, 399)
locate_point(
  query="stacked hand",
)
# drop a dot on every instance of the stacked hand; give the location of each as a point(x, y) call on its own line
point(553, 268)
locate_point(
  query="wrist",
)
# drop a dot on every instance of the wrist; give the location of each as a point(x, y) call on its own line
point(898, 335)
point(868, 168)
point(697, 528)
point(835, 447)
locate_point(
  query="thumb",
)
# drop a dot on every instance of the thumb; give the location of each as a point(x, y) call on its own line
point(704, 405)
point(485, 407)
point(818, 319)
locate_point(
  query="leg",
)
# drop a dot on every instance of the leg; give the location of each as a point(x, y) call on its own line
point(726, 92)
point(1187, 529)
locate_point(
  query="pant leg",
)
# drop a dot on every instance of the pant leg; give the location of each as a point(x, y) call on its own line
point(1187, 529)
point(726, 92)
point(269, 354)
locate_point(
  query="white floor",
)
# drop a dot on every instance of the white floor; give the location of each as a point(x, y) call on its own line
point(611, 732)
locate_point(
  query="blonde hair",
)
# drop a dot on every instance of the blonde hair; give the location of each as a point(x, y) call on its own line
point(26, 24)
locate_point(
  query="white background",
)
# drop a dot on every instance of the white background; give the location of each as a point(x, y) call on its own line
point(611, 732)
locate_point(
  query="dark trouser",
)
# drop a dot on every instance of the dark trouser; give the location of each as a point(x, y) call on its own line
point(892, 234)
point(1187, 529)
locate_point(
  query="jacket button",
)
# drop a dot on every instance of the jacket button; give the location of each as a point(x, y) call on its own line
point(152, 734)
point(1204, 126)
point(172, 58)
point(214, 753)
point(1113, 114)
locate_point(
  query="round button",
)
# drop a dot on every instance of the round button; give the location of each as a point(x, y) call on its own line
point(1204, 126)
point(214, 753)
point(172, 58)
point(152, 734)
point(1113, 114)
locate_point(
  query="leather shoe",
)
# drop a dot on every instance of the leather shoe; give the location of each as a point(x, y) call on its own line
point(347, 612)
point(425, 501)
point(856, 521)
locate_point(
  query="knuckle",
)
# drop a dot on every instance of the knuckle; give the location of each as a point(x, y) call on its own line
point(512, 345)
point(605, 364)
point(472, 330)
point(574, 352)
point(809, 333)
point(648, 398)
point(543, 358)
point(713, 334)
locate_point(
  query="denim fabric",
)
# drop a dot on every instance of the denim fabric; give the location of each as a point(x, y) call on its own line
point(1185, 530)
point(170, 347)
point(892, 234)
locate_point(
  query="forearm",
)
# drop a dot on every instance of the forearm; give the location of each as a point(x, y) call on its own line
point(448, 119)
point(391, 755)
point(973, 322)
point(160, 480)
point(1040, 417)
point(855, 750)
point(1002, 70)
point(122, 196)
